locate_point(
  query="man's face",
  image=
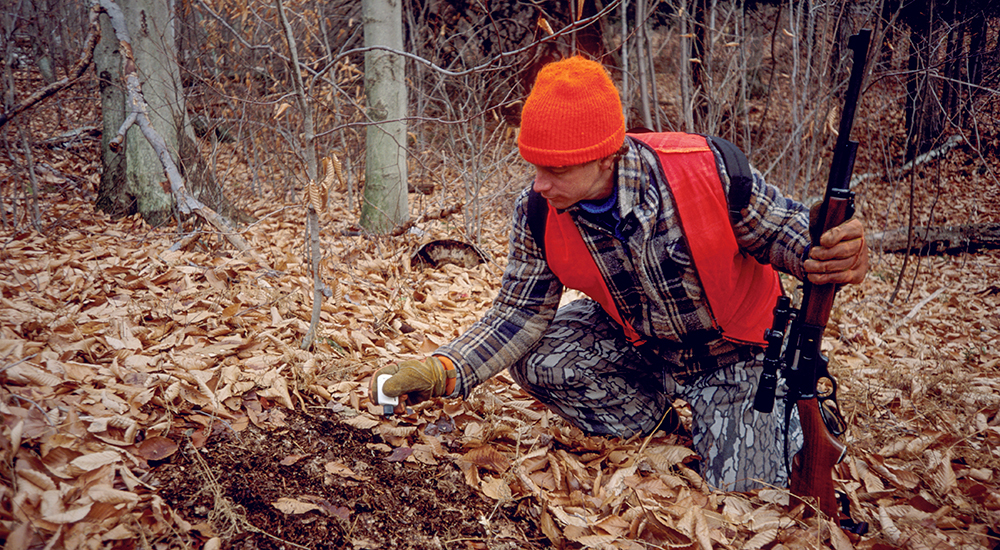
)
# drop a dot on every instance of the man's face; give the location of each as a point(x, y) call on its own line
point(564, 186)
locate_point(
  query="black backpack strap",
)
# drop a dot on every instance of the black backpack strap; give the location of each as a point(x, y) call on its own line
point(538, 213)
point(738, 168)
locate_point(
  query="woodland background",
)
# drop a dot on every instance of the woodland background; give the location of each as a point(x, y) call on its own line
point(165, 387)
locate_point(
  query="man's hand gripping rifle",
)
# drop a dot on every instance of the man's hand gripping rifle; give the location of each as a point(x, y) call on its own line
point(810, 385)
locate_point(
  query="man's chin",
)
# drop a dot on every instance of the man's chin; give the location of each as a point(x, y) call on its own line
point(559, 204)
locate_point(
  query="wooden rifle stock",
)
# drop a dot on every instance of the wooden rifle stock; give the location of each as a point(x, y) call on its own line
point(812, 466)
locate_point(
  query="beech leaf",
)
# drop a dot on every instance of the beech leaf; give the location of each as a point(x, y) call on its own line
point(157, 448)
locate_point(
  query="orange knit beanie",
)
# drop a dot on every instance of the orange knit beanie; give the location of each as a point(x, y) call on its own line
point(573, 115)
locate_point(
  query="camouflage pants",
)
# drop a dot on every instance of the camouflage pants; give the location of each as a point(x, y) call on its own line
point(585, 371)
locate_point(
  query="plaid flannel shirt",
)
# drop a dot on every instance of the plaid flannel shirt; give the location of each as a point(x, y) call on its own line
point(649, 273)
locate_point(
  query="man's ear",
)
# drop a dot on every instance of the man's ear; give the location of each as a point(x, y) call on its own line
point(608, 162)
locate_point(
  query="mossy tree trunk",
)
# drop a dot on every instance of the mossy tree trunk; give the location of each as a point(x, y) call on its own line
point(133, 179)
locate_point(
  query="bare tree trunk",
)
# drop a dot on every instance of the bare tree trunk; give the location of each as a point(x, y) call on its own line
point(133, 178)
point(952, 239)
point(701, 63)
point(650, 59)
point(924, 120)
point(955, 44)
point(7, 101)
point(978, 52)
point(626, 94)
point(27, 173)
point(688, 89)
point(151, 29)
point(385, 201)
point(139, 116)
point(42, 48)
point(113, 197)
point(641, 47)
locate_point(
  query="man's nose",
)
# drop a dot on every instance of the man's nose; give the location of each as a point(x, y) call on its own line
point(542, 183)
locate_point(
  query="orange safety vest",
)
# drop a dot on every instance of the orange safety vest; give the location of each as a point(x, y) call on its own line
point(741, 292)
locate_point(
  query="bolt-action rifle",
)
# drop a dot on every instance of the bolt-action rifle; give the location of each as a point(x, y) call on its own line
point(810, 385)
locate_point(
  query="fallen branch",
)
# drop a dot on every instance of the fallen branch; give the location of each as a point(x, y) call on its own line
point(186, 202)
point(918, 307)
point(939, 239)
point(948, 145)
point(86, 57)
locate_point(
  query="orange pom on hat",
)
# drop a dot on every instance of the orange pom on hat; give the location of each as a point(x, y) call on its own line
point(573, 115)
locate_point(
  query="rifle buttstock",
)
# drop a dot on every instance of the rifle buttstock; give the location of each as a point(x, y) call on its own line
point(812, 466)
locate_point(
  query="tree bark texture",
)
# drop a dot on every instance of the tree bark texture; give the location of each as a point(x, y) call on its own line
point(385, 201)
point(133, 177)
point(113, 197)
point(138, 116)
point(150, 24)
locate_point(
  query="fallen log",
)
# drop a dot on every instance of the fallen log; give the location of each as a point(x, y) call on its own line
point(935, 240)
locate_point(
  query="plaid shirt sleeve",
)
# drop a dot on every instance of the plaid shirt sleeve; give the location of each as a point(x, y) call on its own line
point(528, 298)
point(773, 229)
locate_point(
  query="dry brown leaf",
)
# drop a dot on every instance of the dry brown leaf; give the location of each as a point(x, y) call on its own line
point(103, 493)
point(763, 519)
point(889, 528)
point(293, 506)
point(156, 448)
point(338, 171)
point(277, 389)
point(736, 509)
point(665, 457)
point(495, 488)
point(597, 541)
point(20, 537)
point(340, 469)
point(617, 483)
point(761, 539)
point(26, 373)
point(549, 527)
point(93, 461)
point(838, 538)
point(423, 454)
point(915, 447)
point(360, 421)
point(487, 457)
point(73, 515)
point(944, 477)
point(38, 479)
point(873, 483)
point(388, 430)
point(567, 518)
point(663, 529)
point(291, 459)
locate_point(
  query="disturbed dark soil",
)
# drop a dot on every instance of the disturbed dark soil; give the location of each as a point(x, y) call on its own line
point(367, 499)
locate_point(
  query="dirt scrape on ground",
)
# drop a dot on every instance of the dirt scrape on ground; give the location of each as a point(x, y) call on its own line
point(339, 490)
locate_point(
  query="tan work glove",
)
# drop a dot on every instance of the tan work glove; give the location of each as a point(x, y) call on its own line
point(417, 380)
